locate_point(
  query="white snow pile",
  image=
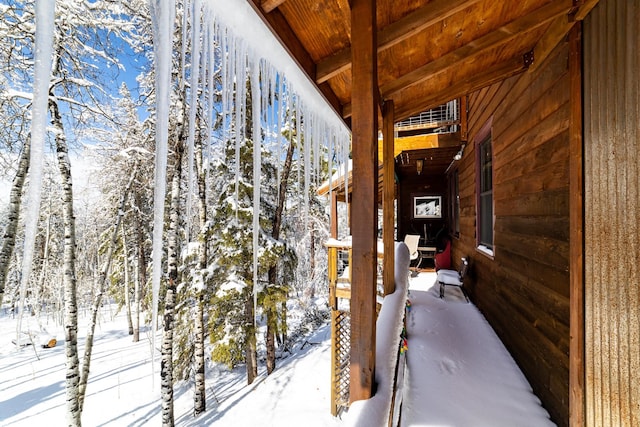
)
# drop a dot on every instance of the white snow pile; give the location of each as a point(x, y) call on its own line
point(375, 411)
point(458, 371)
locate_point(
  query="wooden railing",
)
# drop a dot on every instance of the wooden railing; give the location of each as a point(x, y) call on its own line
point(393, 312)
point(339, 257)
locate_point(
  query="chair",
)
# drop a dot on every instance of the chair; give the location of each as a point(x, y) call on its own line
point(442, 260)
point(454, 278)
point(412, 240)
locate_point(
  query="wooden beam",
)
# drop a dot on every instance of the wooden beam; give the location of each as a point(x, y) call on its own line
point(388, 197)
point(269, 5)
point(334, 215)
point(576, 235)
point(584, 9)
point(464, 86)
point(419, 142)
point(365, 191)
point(434, 12)
point(479, 46)
point(281, 29)
point(557, 31)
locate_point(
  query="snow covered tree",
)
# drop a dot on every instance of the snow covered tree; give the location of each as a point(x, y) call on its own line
point(128, 146)
point(275, 294)
point(87, 38)
point(233, 310)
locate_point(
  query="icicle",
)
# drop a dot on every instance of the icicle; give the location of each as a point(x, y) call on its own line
point(321, 129)
point(240, 74)
point(273, 108)
point(244, 37)
point(45, 24)
point(281, 111)
point(307, 165)
point(227, 82)
point(257, 161)
point(163, 14)
point(183, 51)
point(331, 149)
point(193, 107)
point(299, 140)
point(211, 66)
point(290, 120)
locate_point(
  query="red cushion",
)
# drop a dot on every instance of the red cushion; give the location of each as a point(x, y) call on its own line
point(443, 259)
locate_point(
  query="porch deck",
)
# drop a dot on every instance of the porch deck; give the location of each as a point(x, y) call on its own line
point(458, 371)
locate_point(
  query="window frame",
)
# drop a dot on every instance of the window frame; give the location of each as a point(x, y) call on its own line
point(484, 136)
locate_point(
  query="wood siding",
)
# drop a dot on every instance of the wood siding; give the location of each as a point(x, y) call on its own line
point(523, 290)
point(612, 206)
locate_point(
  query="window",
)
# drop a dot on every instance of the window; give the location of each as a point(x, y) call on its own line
point(484, 184)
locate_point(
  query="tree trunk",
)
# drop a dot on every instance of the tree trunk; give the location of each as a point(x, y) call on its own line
point(141, 272)
point(271, 311)
point(74, 408)
point(127, 297)
point(250, 348)
point(102, 287)
point(311, 290)
point(284, 330)
point(166, 364)
point(15, 199)
point(272, 317)
point(199, 396)
point(43, 270)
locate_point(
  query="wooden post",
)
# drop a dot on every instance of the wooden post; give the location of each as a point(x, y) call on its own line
point(364, 204)
point(333, 302)
point(576, 234)
point(333, 232)
point(333, 276)
point(388, 196)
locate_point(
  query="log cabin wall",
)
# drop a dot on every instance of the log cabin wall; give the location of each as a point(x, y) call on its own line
point(523, 289)
point(612, 219)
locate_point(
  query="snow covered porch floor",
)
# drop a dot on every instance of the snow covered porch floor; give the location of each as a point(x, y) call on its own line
point(458, 373)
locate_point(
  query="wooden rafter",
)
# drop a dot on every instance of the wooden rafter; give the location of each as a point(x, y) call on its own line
point(269, 5)
point(479, 46)
point(282, 30)
point(487, 77)
point(557, 31)
point(434, 12)
point(584, 9)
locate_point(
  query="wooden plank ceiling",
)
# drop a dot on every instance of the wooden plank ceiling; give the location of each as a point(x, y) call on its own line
point(429, 51)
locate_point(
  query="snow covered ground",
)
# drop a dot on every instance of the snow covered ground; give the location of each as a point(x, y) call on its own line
point(123, 392)
point(458, 371)
point(459, 375)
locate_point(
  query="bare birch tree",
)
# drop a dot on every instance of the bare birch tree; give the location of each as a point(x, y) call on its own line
point(199, 395)
point(74, 409)
point(11, 228)
point(166, 363)
point(102, 287)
